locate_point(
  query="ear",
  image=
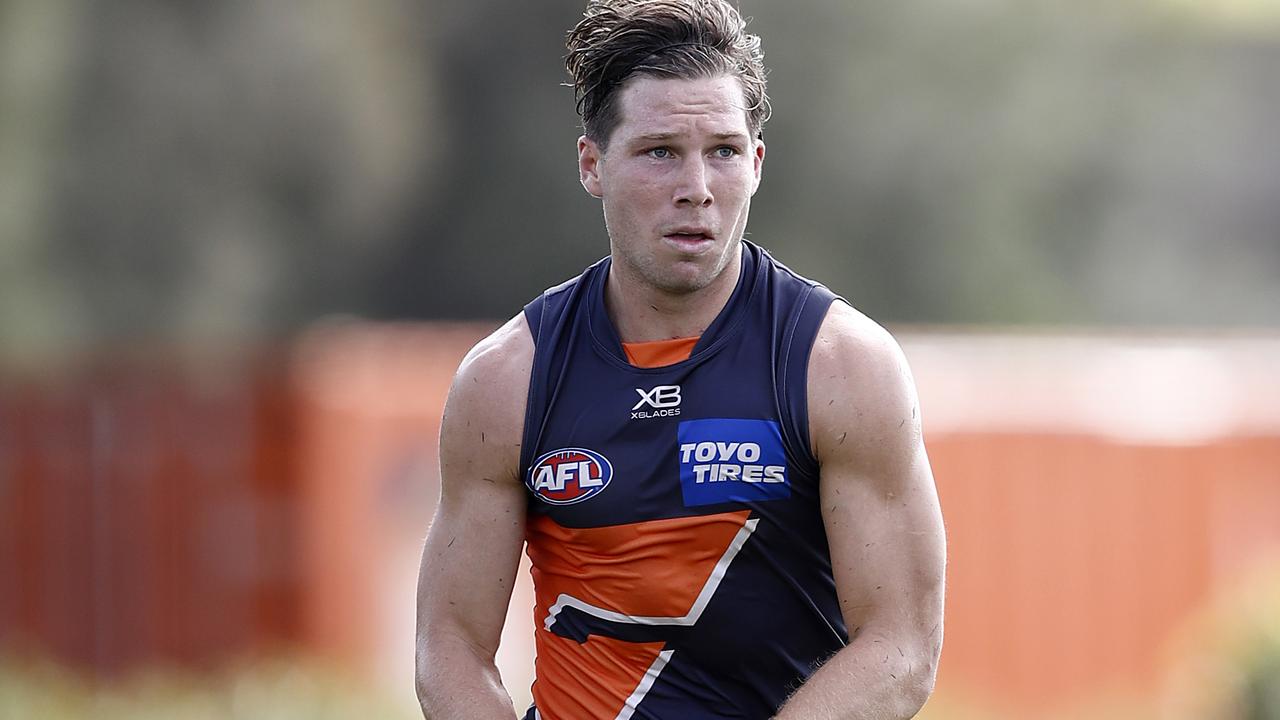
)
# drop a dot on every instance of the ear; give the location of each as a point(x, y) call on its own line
point(589, 157)
point(757, 158)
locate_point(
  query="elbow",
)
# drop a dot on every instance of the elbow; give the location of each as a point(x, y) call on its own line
point(432, 653)
point(423, 699)
point(449, 670)
point(427, 676)
point(922, 672)
point(916, 694)
point(917, 686)
point(433, 696)
point(421, 684)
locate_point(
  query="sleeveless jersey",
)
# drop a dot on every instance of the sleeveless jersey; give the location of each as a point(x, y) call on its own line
point(680, 563)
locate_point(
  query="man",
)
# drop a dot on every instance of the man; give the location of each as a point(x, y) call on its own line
point(718, 470)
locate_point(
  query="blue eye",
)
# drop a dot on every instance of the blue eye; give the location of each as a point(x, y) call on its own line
point(725, 152)
point(660, 153)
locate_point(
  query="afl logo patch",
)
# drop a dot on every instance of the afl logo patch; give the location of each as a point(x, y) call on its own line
point(569, 475)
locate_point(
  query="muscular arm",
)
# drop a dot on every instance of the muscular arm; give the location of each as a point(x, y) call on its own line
point(884, 526)
point(473, 548)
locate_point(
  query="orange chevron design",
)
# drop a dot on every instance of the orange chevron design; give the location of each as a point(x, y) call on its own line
point(654, 569)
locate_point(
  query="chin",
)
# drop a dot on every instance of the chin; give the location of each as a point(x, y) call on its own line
point(684, 280)
point(682, 288)
point(676, 275)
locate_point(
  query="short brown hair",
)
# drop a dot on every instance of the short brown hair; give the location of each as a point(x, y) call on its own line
point(617, 39)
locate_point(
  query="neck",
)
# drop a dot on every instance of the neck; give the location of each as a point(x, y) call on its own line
point(641, 312)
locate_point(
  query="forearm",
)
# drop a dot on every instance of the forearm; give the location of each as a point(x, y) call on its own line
point(457, 682)
point(870, 679)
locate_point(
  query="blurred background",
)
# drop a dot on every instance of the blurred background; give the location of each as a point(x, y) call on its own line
point(243, 246)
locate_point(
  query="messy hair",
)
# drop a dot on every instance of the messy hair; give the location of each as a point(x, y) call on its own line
point(617, 39)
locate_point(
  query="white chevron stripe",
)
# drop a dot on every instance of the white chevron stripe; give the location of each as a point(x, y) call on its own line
point(689, 618)
point(646, 682)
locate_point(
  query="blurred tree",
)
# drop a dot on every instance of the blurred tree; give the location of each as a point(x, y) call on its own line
point(502, 215)
point(215, 174)
point(980, 162)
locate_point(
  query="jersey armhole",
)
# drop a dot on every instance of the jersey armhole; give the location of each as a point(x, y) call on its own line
point(792, 380)
point(533, 315)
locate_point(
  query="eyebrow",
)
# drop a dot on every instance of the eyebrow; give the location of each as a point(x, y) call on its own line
point(671, 136)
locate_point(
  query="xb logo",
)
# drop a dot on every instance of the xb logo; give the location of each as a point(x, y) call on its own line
point(663, 396)
point(664, 399)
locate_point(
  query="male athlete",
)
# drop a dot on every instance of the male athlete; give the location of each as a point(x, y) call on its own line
point(716, 465)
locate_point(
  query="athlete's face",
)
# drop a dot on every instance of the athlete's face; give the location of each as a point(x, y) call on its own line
point(676, 180)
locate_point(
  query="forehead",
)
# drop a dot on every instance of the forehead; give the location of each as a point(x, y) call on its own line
point(653, 105)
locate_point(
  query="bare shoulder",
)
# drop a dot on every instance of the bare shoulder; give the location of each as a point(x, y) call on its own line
point(862, 399)
point(503, 357)
point(484, 415)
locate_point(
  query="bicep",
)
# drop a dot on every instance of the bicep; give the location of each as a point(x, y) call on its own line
point(472, 552)
point(879, 503)
point(470, 560)
point(887, 547)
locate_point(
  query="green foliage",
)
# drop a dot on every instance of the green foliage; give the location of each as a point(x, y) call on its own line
point(207, 173)
point(1259, 659)
point(1227, 662)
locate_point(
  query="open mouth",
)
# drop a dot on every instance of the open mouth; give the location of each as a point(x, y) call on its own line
point(689, 239)
point(688, 244)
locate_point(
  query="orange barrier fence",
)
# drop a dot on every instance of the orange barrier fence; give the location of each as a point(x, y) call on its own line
point(151, 515)
point(1073, 559)
point(145, 514)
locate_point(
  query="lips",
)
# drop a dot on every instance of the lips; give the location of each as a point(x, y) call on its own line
point(688, 234)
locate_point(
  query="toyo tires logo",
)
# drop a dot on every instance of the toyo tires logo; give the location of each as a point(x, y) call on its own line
point(569, 475)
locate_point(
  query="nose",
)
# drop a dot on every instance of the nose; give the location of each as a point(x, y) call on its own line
point(692, 187)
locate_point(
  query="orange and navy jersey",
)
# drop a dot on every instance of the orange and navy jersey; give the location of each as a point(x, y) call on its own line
point(679, 560)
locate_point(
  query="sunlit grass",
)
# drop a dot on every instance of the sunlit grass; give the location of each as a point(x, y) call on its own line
point(263, 690)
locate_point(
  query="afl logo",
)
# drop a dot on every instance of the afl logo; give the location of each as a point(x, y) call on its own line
point(569, 475)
